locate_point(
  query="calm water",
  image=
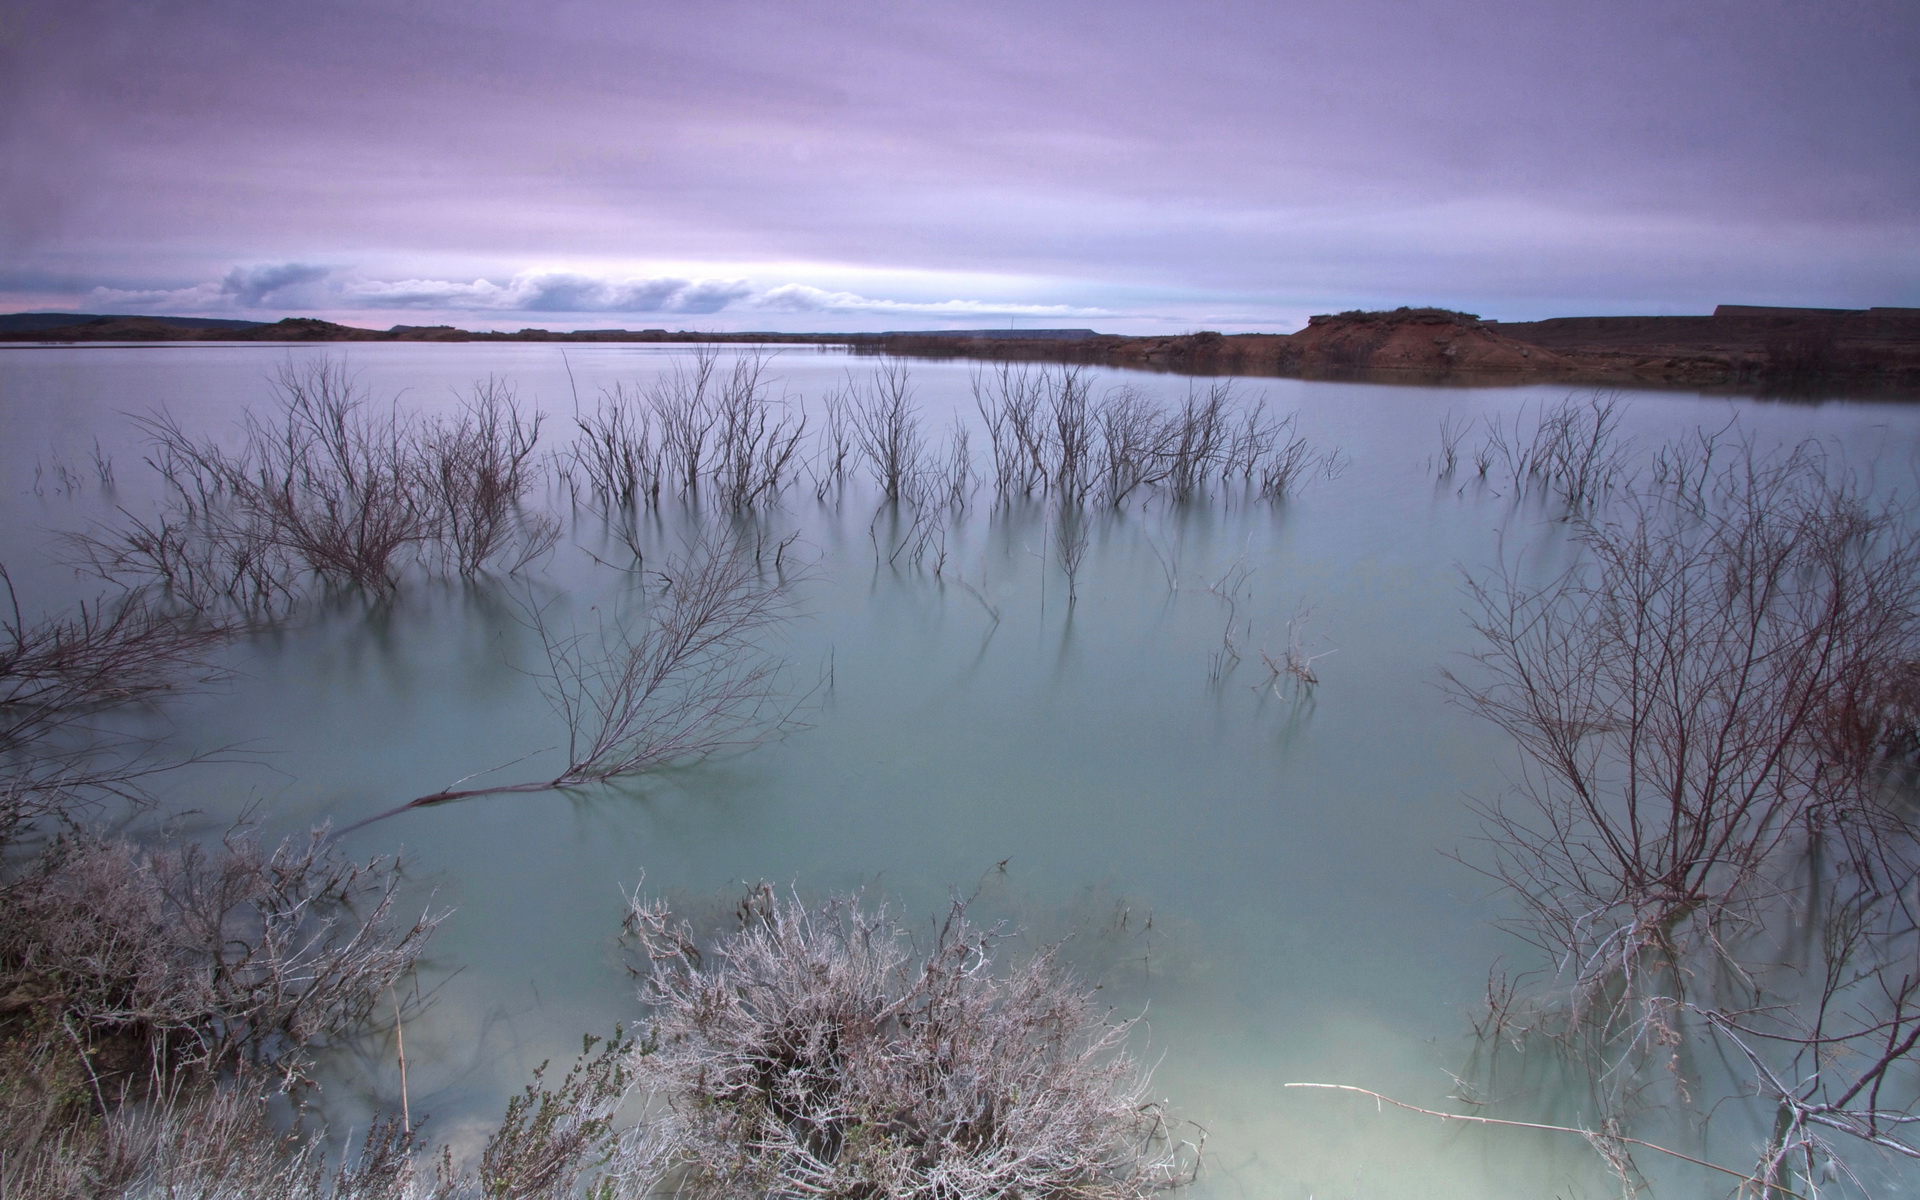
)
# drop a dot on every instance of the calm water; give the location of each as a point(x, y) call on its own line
point(1275, 880)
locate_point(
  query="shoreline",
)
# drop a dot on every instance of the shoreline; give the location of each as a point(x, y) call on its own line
point(1789, 351)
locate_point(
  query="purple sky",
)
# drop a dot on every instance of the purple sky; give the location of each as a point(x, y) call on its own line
point(1127, 166)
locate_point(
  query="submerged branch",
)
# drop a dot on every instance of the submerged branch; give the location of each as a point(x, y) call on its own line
point(694, 678)
point(1589, 1134)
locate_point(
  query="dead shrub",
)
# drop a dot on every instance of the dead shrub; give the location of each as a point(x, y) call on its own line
point(1711, 711)
point(478, 468)
point(1047, 434)
point(886, 428)
point(694, 426)
point(338, 484)
point(1573, 453)
point(179, 959)
point(689, 676)
point(56, 671)
point(813, 1051)
point(60, 673)
point(329, 488)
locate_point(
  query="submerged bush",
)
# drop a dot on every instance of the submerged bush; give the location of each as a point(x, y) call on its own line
point(330, 489)
point(1712, 836)
point(814, 1052)
point(153, 962)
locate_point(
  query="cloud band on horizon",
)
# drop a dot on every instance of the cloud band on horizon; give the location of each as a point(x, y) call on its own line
point(310, 287)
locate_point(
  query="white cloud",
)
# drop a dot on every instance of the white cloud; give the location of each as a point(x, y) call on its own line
point(303, 287)
point(799, 297)
point(550, 292)
point(204, 297)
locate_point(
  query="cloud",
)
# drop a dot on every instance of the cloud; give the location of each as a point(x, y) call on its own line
point(1138, 160)
point(799, 297)
point(279, 285)
point(551, 292)
point(205, 297)
point(304, 287)
point(249, 286)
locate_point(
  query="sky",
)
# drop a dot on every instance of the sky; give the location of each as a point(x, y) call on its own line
point(1125, 166)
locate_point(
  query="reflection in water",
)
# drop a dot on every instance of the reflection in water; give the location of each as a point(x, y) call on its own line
point(1259, 866)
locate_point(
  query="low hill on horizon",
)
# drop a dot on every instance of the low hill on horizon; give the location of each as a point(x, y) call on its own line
point(28, 322)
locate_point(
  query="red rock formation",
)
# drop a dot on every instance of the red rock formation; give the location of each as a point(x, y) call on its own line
point(1417, 339)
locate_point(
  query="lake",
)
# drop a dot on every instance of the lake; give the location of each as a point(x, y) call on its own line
point(1278, 878)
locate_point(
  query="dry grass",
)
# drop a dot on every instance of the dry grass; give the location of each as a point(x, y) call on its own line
point(815, 1052)
point(208, 1145)
point(226, 1142)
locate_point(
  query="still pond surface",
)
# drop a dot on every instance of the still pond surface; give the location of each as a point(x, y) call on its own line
point(1280, 879)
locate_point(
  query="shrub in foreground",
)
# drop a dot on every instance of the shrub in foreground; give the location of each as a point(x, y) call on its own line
point(814, 1052)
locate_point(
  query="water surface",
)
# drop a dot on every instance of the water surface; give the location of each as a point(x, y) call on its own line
point(1279, 879)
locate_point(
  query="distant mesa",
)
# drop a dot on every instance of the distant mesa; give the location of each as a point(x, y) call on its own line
point(1397, 316)
point(1764, 310)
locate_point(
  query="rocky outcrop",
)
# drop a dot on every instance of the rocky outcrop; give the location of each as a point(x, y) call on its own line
point(306, 329)
point(1426, 340)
